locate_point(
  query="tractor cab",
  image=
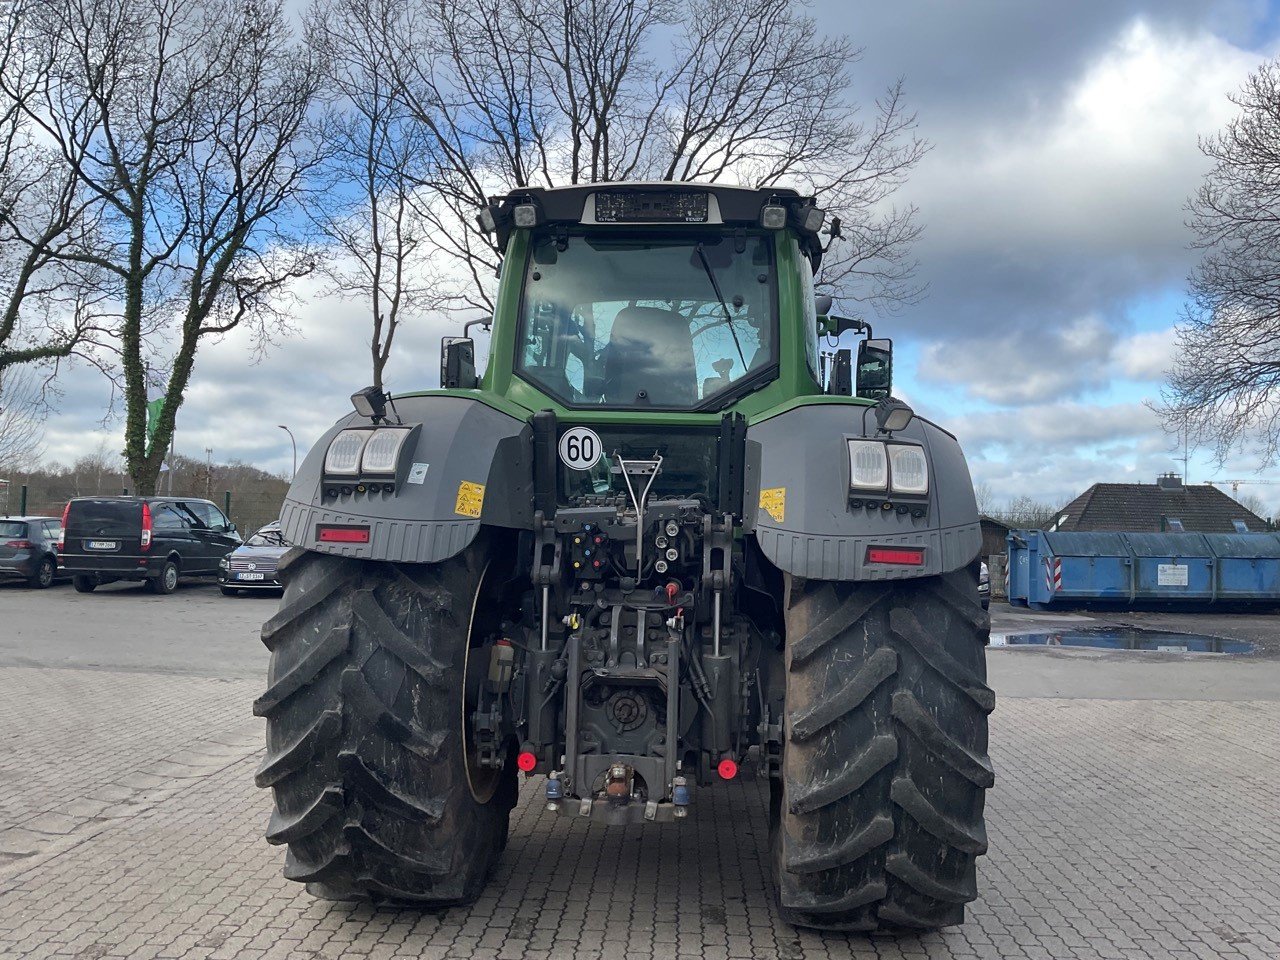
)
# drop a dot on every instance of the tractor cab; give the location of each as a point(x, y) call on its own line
point(653, 297)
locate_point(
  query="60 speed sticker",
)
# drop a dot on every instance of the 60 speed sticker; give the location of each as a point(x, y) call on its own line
point(580, 448)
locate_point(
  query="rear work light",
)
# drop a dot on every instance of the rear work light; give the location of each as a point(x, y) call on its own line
point(343, 456)
point(327, 534)
point(908, 469)
point(146, 526)
point(898, 556)
point(868, 466)
point(382, 450)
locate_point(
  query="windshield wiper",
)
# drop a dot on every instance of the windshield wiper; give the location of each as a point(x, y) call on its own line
point(715, 285)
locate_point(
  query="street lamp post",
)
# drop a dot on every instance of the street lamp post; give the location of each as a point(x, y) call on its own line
point(295, 449)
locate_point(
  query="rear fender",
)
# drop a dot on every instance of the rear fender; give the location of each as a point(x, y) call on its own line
point(470, 465)
point(797, 498)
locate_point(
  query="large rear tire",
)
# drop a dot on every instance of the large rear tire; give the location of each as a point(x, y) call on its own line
point(366, 753)
point(879, 815)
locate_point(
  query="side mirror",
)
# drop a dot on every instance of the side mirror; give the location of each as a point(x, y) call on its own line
point(840, 378)
point(875, 369)
point(458, 363)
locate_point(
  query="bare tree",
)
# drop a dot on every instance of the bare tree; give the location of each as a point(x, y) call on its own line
point(50, 306)
point(376, 155)
point(986, 499)
point(550, 92)
point(1223, 388)
point(1253, 503)
point(185, 122)
point(1027, 513)
point(21, 419)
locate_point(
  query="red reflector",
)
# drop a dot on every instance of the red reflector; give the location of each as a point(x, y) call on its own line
point(342, 534)
point(727, 769)
point(526, 761)
point(903, 556)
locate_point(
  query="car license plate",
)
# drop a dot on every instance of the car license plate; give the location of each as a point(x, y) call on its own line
point(251, 576)
point(102, 544)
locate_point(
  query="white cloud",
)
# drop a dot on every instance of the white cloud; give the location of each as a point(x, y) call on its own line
point(1146, 356)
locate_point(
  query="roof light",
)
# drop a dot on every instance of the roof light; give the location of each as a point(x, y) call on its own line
point(488, 222)
point(868, 465)
point(343, 455)
point(896, 556)
point(370, 402)
point(908, 469)
point(773, 217)
point(525, 215)
point(893, 415)
point(811, 219)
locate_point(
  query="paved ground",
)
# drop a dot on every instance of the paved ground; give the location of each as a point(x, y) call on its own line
point(1137, 825)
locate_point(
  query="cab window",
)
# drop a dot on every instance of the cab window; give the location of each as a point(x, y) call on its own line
point(670, 322)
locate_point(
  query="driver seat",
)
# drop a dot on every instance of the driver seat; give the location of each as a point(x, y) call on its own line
point(650, 349)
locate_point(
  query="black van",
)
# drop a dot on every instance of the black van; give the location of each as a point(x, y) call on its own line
point(154, 539)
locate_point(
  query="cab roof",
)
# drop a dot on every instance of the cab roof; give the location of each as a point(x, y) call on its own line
point(668, 204)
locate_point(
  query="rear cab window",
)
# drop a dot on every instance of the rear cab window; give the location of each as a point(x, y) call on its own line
point(106, 518)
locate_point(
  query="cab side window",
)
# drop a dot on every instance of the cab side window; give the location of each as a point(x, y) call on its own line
point(165, 517)
point(52, 529)
point(210, 516)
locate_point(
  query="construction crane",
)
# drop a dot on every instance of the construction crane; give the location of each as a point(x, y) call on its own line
point(1236, 484)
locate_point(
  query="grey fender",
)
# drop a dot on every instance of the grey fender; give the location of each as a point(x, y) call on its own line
point(803, 452)
point(461, 441)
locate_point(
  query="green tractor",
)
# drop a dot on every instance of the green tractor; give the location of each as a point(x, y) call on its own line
point(662, 542)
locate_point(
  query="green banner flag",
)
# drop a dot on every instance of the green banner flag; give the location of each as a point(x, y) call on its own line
point(154, 409)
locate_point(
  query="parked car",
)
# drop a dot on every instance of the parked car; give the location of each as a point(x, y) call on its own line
point(29, 549)
point(252, 565)
point(156, 540)
point(984, 586)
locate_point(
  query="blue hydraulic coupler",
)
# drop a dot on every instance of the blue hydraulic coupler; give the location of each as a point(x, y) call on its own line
point(555, 791)
point(680, 796)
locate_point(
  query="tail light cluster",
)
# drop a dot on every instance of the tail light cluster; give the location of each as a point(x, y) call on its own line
point(18, 544)
point(62, 534)
point(146, 526)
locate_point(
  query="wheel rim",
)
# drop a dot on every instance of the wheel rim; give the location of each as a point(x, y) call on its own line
point(170, 576)
point(46, 573)
point(482, 781)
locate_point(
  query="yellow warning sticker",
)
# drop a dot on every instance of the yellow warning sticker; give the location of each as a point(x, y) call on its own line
point(774, 502)
point(470, 499)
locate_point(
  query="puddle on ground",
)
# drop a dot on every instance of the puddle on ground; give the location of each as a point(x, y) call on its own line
point(1123, 638)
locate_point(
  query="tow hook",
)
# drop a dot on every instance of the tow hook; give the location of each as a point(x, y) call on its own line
point(618, 783)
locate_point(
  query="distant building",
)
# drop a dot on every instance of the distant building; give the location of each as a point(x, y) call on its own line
point(993, 536)
point(1166, 505)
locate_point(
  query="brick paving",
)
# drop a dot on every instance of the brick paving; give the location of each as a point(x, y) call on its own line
point(1119, 829)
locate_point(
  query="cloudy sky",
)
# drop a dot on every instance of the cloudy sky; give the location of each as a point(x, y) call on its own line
point(1063, 148)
